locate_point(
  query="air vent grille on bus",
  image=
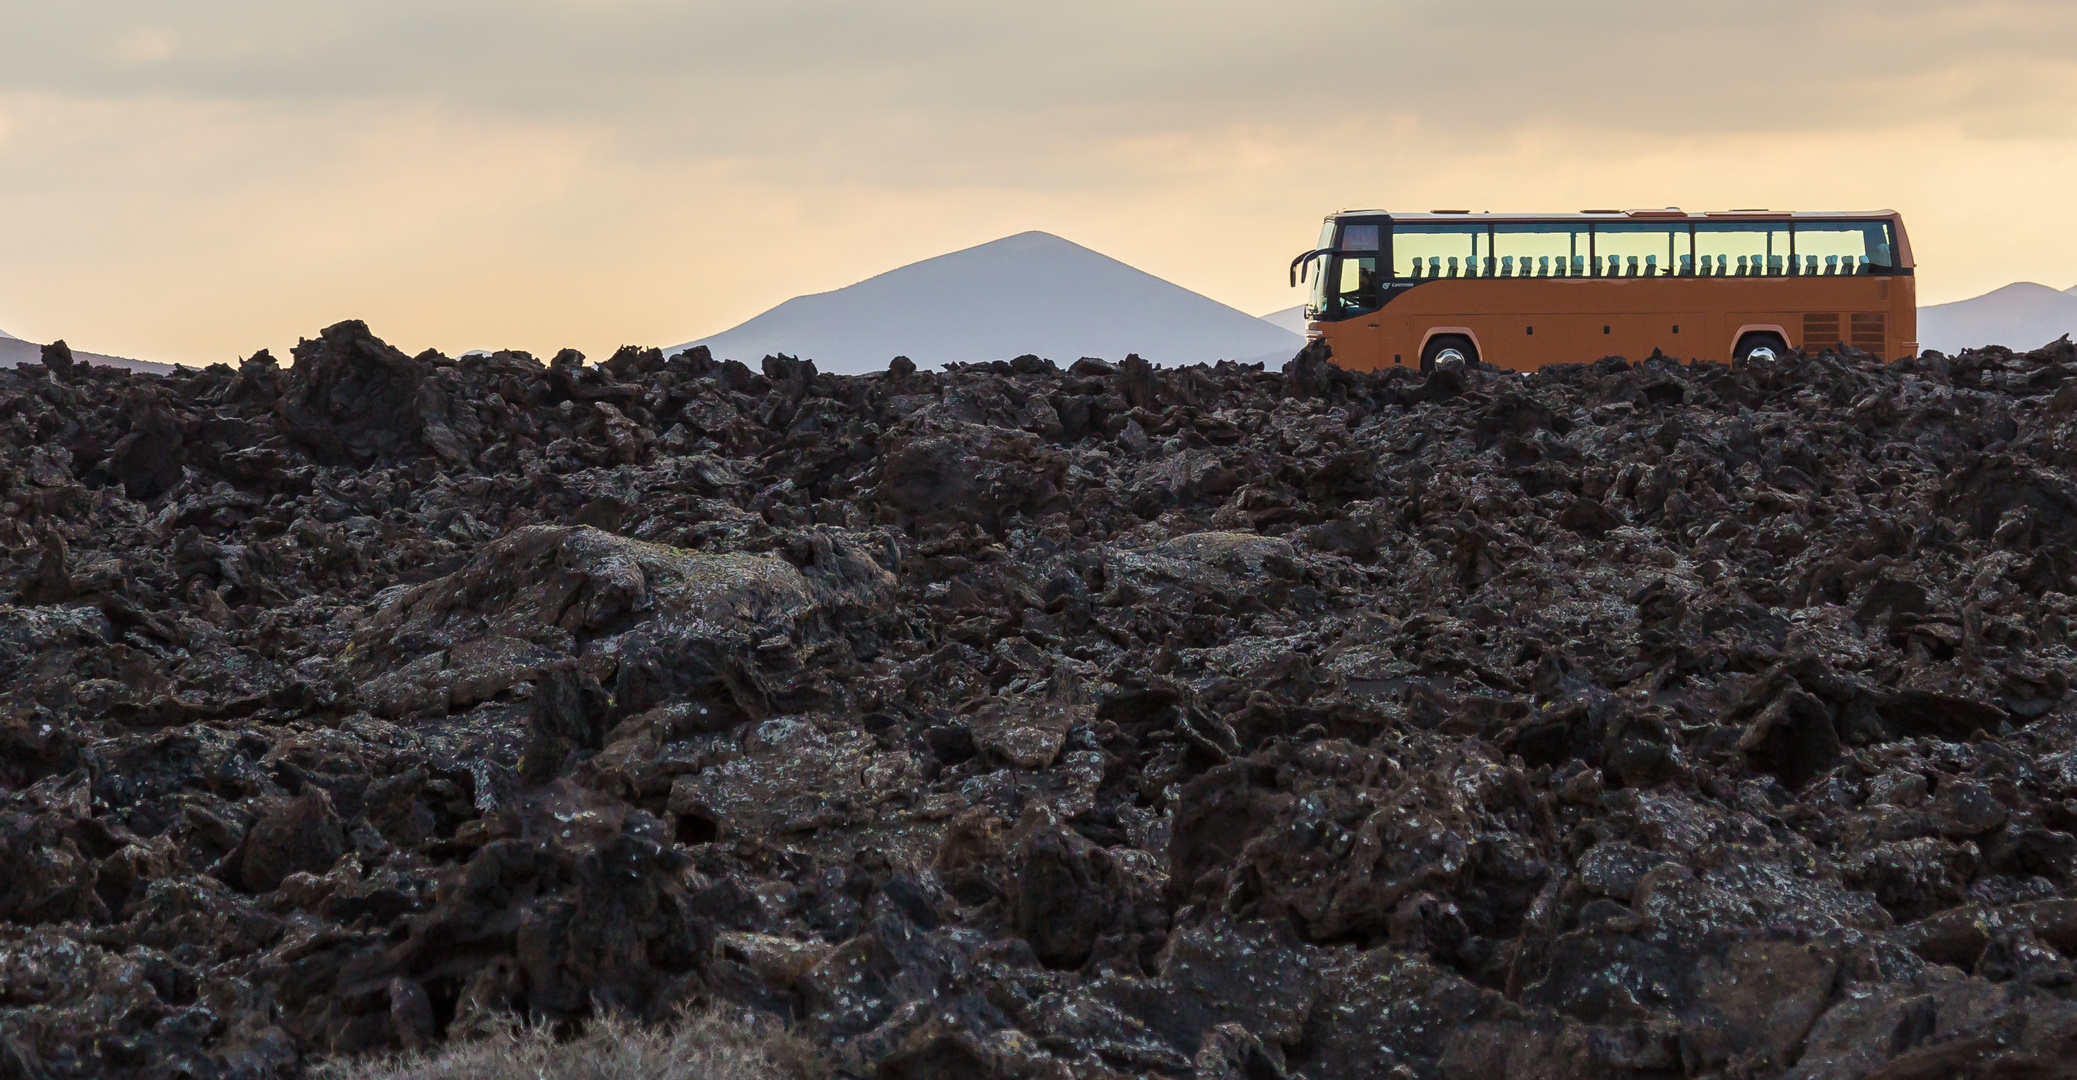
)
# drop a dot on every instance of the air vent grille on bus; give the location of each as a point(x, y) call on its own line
point(1868, 332)
point(1821, 331)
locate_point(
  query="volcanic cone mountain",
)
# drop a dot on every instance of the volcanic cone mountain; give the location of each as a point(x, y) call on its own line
point(1029, 293)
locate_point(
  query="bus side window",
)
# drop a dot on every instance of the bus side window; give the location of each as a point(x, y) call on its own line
point(1639, 249)
point(1527, 249)
point(1359, 238)
point(1421, 251)
point(1857, 247)
point(1744, 248)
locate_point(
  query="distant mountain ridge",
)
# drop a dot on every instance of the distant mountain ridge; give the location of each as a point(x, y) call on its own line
point(1029, 293)
point(14, 350)
point(1290, 318)
point(2022, 315)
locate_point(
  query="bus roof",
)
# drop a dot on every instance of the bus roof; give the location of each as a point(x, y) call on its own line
point(1668, 214)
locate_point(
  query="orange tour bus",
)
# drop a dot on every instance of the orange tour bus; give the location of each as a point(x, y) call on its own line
point(1523, 290)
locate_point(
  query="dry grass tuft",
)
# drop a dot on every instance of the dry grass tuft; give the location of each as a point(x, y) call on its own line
point(710, 1045)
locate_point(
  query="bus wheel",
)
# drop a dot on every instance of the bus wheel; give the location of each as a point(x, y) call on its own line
point(1448, 349)
point(1764, 347)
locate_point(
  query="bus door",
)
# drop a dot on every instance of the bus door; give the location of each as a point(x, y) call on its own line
point(1356, 300)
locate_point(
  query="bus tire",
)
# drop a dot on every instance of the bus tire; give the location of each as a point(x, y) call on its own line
point(1448, 349)
point(1757, 342)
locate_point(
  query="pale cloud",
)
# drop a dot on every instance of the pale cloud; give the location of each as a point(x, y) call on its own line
point(143, 46)
point(546, 172)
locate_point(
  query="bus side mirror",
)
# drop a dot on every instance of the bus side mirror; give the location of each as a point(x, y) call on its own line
point(1301, 264)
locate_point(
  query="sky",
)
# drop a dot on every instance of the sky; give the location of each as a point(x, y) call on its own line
point(194, 180)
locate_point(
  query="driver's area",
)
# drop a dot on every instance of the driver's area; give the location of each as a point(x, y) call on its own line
point(1355, 286)
point(1348, 282)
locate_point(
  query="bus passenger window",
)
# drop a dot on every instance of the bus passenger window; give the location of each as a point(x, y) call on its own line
point(1740, 248)
point(1861, 247)
point(1531, 246)
point(1460, 245)
point(1639, 249)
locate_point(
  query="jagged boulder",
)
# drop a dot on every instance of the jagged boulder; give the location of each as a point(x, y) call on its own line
point(653, 621)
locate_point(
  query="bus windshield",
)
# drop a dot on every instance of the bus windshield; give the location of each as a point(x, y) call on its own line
point(1316, 297)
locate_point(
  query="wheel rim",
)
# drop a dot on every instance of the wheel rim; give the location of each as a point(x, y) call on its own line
point(1764, 353)
point(1450, 355)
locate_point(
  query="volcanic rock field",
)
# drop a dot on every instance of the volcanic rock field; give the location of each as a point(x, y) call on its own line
point(1628, 719)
